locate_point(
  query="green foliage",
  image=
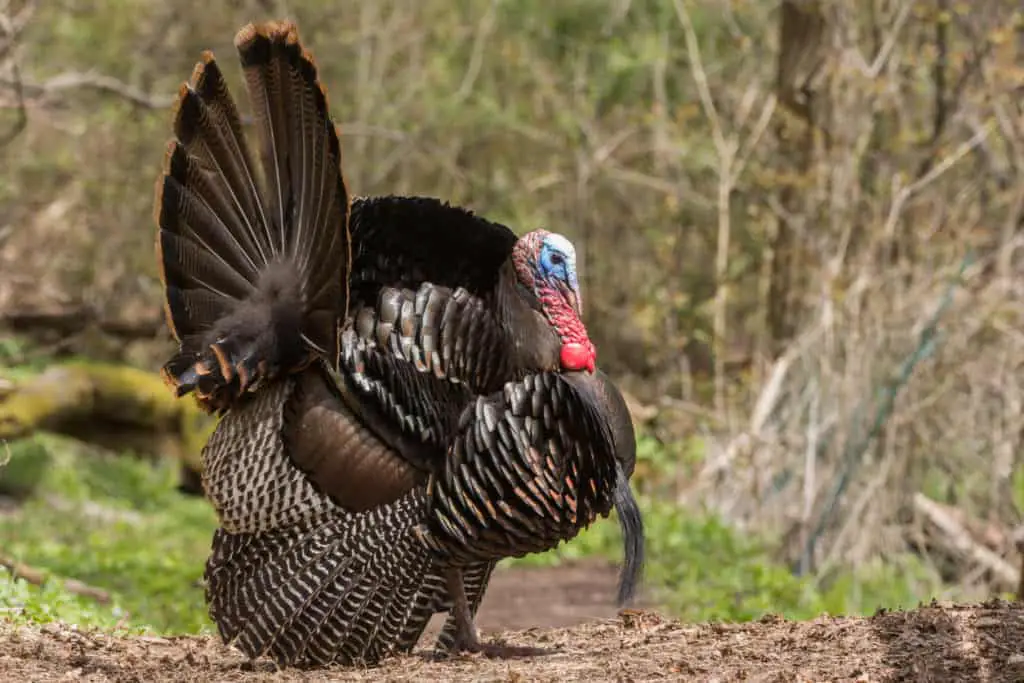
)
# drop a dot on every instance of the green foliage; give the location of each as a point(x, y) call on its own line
point(1018, 488)
point(20, 358)
point(10, 347)
point(26, 462)
point(27, 603)
point(116, 523)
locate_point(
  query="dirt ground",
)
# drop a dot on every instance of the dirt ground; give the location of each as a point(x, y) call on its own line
point(590, 642)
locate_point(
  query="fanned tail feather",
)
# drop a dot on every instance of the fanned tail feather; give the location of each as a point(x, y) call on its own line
point(254, 259)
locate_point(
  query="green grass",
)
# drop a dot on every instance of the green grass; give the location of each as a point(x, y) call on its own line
point(113, 522)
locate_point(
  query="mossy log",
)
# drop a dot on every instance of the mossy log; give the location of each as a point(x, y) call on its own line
point(113, 406)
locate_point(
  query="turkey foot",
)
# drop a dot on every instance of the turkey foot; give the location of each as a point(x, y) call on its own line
point(466, 639)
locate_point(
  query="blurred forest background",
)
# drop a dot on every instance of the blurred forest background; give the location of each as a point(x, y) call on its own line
point(800, 226)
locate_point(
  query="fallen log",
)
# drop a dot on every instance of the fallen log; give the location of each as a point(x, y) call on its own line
point(114, 406)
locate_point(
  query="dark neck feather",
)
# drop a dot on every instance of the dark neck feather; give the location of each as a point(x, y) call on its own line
point(536, 344)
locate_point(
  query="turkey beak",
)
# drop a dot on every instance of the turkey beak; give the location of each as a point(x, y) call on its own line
point(576, 301)
point(571, 291)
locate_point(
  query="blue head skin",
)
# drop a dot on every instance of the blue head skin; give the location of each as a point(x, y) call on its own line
point(556, 263)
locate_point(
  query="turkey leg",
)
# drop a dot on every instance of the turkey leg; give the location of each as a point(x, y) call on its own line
point(466, 639)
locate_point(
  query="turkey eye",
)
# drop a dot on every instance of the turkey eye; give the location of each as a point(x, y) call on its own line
point(557, 259)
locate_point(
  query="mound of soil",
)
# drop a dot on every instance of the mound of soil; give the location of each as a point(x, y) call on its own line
point(940, 642)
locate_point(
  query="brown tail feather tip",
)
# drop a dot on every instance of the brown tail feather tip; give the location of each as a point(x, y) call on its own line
point(205, 60)
point(253, 41)
point(208, 79)
point(184, 90)
point(207, 63)
point(279, 31)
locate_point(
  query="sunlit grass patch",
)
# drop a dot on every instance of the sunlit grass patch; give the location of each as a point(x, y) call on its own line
point(113, 522)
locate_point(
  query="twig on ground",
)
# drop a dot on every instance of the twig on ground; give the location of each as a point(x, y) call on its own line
point(955, 537)
point(38, 577)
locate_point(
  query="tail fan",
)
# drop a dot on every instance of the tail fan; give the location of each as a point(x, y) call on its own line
point(254, 260)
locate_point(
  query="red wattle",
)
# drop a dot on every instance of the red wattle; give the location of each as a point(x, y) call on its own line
point(576, 356)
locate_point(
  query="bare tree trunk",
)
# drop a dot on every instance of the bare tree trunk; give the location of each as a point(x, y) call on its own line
point(802, 53)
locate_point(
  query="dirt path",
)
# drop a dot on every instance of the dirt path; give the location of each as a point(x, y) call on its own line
point(953, 643)
point(573, 604)
point(549, 597)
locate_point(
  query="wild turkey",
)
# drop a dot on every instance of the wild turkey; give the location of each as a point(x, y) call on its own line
point(408, 394)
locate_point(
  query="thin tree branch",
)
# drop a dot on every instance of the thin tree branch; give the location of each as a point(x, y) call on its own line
point(476, 59)
point(9, 31)
point(750, 144)
point(882, 58)
point(700, 77)
point(77, 80)
point(12, 26)
point(903, 195)
point(21, 115)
